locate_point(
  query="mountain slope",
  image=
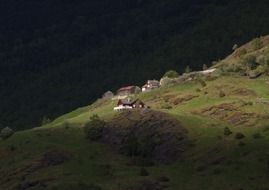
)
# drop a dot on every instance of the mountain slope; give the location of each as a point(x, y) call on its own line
point(221, 127)
point(59, 55)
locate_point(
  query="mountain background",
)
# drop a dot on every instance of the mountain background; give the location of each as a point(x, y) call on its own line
point(57, 55)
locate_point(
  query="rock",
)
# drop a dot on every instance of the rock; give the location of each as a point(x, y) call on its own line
point(6, 133)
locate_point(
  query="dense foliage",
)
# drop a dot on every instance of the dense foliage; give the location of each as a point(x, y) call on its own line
point(94, 128)
point(56, 55)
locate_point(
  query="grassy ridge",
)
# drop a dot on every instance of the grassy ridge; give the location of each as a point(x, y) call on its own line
point(212, 156)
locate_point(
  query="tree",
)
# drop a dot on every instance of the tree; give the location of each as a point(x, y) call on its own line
point(250, 62)
point(205, 67)
point(188, 69)
point(6, 133)
point(45, 120)
point(94, 128)
point(235, 46)
point(171, 74)
point(257, 44)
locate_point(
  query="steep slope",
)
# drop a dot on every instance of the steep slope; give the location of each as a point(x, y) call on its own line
point(59, 55)
point(219, 126)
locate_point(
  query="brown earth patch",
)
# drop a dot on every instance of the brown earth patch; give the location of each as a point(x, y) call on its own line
point(229, 112)
point(239, 118)
point(186, 98)
point(244, 92)
point(219, 111)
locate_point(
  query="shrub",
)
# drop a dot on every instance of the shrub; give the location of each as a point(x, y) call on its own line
point(139, 146)
point(235, 46)
point(6, 133)
point(94, 128)
point(227, 131)
point(205, 67)
point(143, 172)
point(45, 121)
point(202, 82)
point(165, 81)
point(188, 69)
point(239, 135)
point(231, 67)
point(249, 62)
point(171, 74)
point(257, 44)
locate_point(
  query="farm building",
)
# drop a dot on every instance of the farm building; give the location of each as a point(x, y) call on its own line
point(128, 90)
point(151, 84)
point(126, 104)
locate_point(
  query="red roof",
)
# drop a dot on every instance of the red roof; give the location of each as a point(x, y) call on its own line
point(126, 88)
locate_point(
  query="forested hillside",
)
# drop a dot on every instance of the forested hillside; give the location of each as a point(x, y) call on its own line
point(56, 55)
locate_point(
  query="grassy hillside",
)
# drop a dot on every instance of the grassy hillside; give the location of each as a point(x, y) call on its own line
point(220, 131)
point(57, 55)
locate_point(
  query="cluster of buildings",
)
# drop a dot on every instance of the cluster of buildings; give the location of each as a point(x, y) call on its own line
point(124, 95)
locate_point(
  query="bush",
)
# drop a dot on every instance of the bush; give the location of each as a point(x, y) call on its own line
point(171, 74)
point(94, 128)
point(249, 62)
point(202, 82)
point(138, 146)
point(257, 44)
point(205, 67)
point(45, 121)
point(6, 133)
point(235, 46)
point(188, 69)
point(227, 131)
point(165, 81)
point(239, 135)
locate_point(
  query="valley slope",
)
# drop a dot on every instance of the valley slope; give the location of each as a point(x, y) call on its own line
point(219, 126)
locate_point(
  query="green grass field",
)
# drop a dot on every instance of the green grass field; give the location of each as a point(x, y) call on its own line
point(214, 161)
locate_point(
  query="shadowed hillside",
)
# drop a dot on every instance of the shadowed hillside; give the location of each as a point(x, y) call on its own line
point(202, 131)
point(58, 55)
